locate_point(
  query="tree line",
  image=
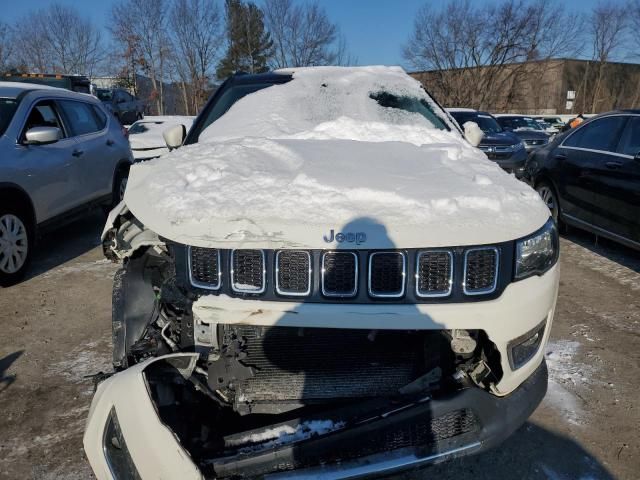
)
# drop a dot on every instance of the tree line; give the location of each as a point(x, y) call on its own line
point(476, 52)
point(187, 43)
point(482, 55)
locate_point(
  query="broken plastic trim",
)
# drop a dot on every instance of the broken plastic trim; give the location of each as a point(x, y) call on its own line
point(381, 464)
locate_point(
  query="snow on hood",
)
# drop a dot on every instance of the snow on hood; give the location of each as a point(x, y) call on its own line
point(284, 168)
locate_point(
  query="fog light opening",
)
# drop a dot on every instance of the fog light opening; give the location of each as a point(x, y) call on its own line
point(522, 349)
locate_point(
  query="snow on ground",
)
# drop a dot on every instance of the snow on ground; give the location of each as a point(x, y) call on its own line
point(318, 152)
point(566, 375)
point(102, 267)
point(609, 267)
point(84, 361)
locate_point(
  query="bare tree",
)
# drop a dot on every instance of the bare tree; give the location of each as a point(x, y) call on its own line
point(477, 53)
point(303, 34)
point(607, 25)
point(140, 28)
point(197, 33)
point(634, 19)
point(6, 47)
point(58, 39)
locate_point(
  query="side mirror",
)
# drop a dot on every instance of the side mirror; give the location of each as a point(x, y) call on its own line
point(42, 135)
point(174, 136)
point(473, 133)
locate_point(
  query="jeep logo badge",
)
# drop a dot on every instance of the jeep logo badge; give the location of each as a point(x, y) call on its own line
point(349, 237)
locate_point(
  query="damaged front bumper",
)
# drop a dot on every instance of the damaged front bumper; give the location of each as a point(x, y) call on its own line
point(391, 438)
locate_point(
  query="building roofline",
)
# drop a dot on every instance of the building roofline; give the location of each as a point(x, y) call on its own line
point(545, 60)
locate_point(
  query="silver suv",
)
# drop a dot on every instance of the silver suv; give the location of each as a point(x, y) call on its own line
point(61, 153)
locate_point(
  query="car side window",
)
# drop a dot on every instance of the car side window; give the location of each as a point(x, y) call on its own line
point(630, 140)
point(81, 117)
point(101, 118)
point(43, 114)
point(601, 134)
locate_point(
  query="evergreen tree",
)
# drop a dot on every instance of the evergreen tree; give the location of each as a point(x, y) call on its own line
point(249, 44)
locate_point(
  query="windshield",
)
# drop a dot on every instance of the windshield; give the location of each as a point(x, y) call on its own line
point(486, 123)
point(520, 123)
point(368, 104)
point(7, 109)
point(104, 95)
point(410, 104)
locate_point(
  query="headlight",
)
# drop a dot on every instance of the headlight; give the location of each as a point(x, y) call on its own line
point(538, 252)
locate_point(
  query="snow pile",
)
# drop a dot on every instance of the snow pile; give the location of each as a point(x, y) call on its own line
point(288, 163)
point(332, 102)
point(284, 434)
point(565, 374)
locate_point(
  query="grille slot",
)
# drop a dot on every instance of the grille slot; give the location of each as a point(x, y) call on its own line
point(480, 270)
point(387, 271)
point(248, 271)
point(339, 274)
point(434, 273)
point(293, 272)
point(204, 267)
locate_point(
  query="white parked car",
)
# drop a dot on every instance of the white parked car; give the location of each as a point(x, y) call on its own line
point(145, 136)
point(326, 280)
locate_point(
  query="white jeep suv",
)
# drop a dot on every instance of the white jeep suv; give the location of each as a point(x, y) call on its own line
point(326, 281)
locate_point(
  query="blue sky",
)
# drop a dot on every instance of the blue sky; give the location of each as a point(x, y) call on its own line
point(375, 30)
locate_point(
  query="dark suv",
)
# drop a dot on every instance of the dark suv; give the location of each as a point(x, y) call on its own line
point(503, 147)
point(589, 177)
point(526, 128)
point(124, 106)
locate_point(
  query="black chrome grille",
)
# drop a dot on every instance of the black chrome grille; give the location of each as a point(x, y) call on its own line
point(339, 274)
point(293, 272)
point(481, 271)
point(247, 271)
point(404, 276)
point(434, 273)
point(204, 267)
point(386, 274)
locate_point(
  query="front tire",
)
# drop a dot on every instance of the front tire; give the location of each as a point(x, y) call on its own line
point(16, 244)
point(119, 187)
point(550, 198)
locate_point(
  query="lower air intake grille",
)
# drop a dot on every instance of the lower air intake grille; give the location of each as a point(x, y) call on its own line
point(247, 271)
point(386, 274)
point(204, 267)
point(481, 271)
point(434, 274)
point(293, 272)
point(339, 274)
point(327, 364)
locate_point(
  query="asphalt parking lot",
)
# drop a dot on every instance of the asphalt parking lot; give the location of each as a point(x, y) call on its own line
point(56, 331)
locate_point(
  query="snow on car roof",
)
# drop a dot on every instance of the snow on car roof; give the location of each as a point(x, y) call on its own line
point(333, 103)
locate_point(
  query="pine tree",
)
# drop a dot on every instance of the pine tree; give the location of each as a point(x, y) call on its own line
point(249, 44)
